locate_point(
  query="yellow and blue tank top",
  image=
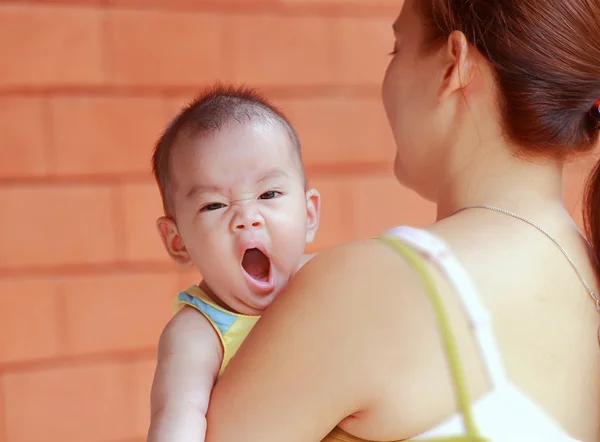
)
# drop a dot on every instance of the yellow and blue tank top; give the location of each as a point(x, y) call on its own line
point(232, 328)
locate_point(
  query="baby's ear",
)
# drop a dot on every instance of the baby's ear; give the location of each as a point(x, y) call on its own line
point(313, 214)
point(169, 234)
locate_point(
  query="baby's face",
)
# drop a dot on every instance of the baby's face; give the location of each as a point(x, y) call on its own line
point(242, 211)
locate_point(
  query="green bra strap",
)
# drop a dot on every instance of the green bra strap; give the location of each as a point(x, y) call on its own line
point(448, 339)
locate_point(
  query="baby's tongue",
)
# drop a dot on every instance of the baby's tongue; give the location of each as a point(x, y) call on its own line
point(256, 264)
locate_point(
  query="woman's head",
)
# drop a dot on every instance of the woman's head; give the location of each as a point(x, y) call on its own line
point(523, 73)
point(468, 76)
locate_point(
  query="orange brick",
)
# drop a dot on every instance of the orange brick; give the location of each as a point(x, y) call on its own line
point(77, 403)
point(44, 45)
point(335, 225)
point(30, 320)
point(164, 48)
point(24, 137)
point(71, 2)
point(140, 375)
point(341, 130)
point(347, 2)
point(117, 312)
point(361, 49)
point(3, 434)
point(105, 134)
point(140, 206)
point(55, 225)
point(271, 50)
point(380, 202)
point(188, 3)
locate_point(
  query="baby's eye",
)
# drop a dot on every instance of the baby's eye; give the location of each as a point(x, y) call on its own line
point(269, 195)
point(212, 206)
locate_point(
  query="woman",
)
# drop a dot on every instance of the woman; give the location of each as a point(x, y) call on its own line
point(487, 100)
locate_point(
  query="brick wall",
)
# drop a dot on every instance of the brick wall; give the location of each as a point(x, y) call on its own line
point(85, 88)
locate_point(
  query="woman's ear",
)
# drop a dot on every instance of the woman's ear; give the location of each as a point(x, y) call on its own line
point(458, 65)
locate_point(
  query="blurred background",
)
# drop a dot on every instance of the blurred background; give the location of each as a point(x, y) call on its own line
point(86, 87)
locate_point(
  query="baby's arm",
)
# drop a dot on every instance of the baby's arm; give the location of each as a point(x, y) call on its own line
point(189, 359)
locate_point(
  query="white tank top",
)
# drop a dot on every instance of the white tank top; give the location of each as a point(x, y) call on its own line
point(505, 414)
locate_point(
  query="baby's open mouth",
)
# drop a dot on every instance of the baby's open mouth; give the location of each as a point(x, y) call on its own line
point(256, 264)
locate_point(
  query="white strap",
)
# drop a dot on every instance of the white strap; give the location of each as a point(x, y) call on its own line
point(435, 250)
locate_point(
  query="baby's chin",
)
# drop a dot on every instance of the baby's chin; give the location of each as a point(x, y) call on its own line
point(254, 304)
point(251, 306)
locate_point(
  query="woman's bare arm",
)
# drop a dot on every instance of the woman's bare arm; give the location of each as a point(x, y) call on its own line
point(320, 352)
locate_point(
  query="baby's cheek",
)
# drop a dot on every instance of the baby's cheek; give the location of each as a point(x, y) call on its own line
point(294, 255)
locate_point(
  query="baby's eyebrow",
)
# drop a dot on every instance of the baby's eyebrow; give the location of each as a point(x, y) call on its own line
point(276, 172)
point(201, 188)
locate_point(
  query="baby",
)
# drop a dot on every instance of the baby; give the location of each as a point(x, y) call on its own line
point(237, 208)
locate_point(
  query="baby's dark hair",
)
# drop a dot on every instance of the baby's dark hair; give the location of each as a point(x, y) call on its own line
point(211, 111)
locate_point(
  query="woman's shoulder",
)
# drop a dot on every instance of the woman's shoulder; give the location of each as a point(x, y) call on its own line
point(346, 278)
point(365, 260)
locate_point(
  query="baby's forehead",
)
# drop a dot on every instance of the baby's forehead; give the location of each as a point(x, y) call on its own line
point(234, 133)
point(236, 154)
point(252, 141)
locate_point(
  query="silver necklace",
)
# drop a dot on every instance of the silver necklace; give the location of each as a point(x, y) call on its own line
point(561, 248)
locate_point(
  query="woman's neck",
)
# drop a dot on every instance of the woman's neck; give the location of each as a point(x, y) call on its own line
point(499, 178)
